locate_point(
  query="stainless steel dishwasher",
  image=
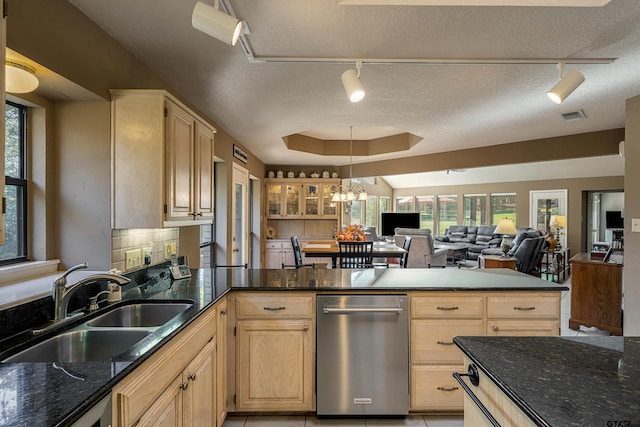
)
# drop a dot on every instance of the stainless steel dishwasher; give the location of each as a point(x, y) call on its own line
point(362, 355)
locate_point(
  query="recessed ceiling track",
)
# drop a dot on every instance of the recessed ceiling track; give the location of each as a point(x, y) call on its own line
point(435, 61)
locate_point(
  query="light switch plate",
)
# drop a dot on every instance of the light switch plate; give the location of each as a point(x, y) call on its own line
point(173, 248)
point(167, 251)
point(635, 225)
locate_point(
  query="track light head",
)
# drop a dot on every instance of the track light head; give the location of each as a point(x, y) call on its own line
point(565, 86)
point(216, 23)
point(351, 83)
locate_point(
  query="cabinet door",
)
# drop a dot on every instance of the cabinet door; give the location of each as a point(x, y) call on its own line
point(180, 162)
point(166, 411)
point(273, 258)
point(328, 207)
point(274, 192)
point(292, 199)
point(221, 362)
point(311, 199)
point(199, 384)
point(274, 365)
point(204, 196)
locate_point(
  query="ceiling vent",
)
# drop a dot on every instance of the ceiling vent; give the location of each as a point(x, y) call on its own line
point(574, 115)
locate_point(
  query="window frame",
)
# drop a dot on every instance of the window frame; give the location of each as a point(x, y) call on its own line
point(22, 184)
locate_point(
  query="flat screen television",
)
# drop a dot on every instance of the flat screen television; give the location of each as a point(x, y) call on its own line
point(392, 220)
point(614, 219)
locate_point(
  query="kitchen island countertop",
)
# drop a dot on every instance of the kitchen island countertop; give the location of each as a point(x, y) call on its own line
point(42, 394)
point(564, 381)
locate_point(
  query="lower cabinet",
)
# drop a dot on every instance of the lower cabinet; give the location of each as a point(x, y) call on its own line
point(222, 399)
point(188, 399)
point(275, 355)
point(176, 386)
point(437, 317)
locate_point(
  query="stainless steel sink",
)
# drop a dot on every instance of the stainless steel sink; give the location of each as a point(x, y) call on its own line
point(140, 315)
point(81, 346)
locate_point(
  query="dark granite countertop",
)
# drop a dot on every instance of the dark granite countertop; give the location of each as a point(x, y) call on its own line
point(564, 381)
point(41, 394)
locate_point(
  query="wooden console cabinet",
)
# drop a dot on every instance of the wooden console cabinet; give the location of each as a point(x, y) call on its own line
point(596, 294)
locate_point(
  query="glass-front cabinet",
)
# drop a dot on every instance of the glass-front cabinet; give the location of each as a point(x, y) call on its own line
point(300, 198)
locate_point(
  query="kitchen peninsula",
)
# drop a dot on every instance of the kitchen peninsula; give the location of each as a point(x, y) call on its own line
point(443, 303)
point(553, 381)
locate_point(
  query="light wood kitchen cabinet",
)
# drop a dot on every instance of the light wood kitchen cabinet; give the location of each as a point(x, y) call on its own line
point(162, 162)
point(437, 317)
point(187, 400)
point(177, 381)
point(222, 400)
point(303, 197)
point(274, 352)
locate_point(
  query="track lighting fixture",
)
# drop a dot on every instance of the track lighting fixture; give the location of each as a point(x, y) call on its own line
point(210, 20)
point(566, 85)
point(19, 77)
point(351, 82)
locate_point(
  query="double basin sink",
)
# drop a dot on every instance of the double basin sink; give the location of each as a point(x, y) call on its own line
point(105, 336)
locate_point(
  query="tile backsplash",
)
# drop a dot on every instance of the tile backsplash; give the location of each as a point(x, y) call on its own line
point(123, 240)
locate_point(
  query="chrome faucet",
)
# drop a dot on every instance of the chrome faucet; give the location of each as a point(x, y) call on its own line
point(62, 294)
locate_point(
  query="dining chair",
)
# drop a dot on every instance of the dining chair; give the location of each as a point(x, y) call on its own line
point(405, 245)
point(356, 254)
point(297, 255)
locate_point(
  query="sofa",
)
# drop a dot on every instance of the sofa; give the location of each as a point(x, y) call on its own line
point(422, 254)
point(480, 237)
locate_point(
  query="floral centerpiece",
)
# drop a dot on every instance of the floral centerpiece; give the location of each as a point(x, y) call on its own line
point(352, 233)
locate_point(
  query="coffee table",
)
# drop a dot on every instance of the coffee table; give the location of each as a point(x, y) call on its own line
point(456, 252)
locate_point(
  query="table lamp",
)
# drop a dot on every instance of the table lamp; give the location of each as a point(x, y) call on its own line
point(506, 227)
point(559, 222)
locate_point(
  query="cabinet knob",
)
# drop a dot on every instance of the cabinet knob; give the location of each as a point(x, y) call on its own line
point(305, 328)
point(184, 386)
point(495, 328)
point(223, 312)
point(192, 377)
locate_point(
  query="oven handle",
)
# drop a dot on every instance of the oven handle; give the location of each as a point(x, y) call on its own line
point(332, 310)
point(472, 395)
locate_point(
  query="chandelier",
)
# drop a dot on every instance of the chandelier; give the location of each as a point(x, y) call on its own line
point(347, 194)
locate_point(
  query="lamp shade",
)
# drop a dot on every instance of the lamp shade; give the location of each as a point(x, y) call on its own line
point(565, 86)
point(505, 226)
point(558, 220)
point(216, 23)
point(20, 78)
point(352, 85)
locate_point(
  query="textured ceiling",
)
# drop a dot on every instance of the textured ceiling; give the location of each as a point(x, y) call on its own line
point(450, 106)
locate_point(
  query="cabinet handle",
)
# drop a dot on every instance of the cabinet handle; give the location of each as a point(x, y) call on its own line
point(192, 377)
point(199, 214)
point(305, 328)
point(184, 386)
point(445, 342)
point(448, 388)
point(223, 312)
point(495, 328)
point(447, 308)
point(524, 308)
point(274, 308)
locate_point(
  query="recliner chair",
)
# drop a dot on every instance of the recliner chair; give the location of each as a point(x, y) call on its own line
point(421, 253)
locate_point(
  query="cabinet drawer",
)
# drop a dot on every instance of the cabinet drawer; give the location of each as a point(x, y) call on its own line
point(273, 245)
point(274, 305)
point(526, 306)
point(433, 388)
point(432, 340)
point(447, 307)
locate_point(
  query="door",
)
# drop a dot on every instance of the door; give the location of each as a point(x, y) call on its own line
point(240, 216)
point(543, 205)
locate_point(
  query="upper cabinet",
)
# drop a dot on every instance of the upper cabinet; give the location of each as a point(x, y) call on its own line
point(162, 162)
point(300, 198)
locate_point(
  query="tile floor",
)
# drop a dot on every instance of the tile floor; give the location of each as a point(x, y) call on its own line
point(410, 421)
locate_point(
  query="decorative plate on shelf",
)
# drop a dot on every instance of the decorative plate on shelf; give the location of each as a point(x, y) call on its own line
point(271, 233)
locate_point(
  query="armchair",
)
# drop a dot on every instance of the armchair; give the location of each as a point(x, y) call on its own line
point(421, 252)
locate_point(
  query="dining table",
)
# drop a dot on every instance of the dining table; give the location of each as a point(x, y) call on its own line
point(330, 249)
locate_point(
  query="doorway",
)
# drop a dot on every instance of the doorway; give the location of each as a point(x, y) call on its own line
point(240, 216)
point(545, 204)
point(596, 204)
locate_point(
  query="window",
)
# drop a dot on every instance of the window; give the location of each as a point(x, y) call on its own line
point(404, 204)
point(447, 212)
point(475, 209)
point(356, 213)
point(370, 215)
point(424, 205)
point(206, 246)
point(503, 206)
point(15, 191)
